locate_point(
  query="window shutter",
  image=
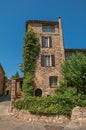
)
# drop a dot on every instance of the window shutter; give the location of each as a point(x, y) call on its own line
point(42, 60)
point(50, 81)
point(42, 41)
point(53, 60)
point(50, 42)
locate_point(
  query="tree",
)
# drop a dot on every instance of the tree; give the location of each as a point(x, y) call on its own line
point(15, 76)
point(31, 52)
point(74, 72)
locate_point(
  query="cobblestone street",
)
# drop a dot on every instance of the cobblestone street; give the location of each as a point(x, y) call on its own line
point(10, 123)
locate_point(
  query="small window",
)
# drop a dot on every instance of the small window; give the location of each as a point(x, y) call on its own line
point(46, 42)
point(53, 81)
point(47, 60)
point(48, 29)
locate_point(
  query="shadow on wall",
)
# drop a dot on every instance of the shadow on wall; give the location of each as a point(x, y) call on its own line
point(4, 98)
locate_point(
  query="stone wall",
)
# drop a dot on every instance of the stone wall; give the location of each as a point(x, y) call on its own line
point(27, 116)
point(78, 114)
point(78, 117)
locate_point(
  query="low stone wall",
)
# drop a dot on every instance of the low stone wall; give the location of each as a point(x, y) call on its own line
point(26, 115)
point(78, 117)
point(78, 114)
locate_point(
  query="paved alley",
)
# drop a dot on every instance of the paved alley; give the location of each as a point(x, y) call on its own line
point(4, 105)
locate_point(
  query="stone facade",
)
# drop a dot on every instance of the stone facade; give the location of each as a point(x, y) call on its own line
point(2, 80)
point(43, 73)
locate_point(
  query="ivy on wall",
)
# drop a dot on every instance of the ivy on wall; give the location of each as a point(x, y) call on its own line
point(31, 52)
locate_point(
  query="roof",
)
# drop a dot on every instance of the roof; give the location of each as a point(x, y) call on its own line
point(41, 22)
point(19, 79)
point(75, 49)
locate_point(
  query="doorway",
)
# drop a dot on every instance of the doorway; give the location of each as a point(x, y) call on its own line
point(38, 92)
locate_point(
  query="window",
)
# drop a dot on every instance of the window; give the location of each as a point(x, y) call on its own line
point(48, 60)
point(46, 42)
point(48, 29)
point(53, 81)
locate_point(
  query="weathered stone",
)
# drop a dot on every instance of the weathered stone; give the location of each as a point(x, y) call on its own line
point(78, 114)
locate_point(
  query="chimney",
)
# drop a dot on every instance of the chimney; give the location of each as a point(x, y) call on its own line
point(61, 37)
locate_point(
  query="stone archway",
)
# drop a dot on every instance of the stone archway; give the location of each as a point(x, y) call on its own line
point(38, 92)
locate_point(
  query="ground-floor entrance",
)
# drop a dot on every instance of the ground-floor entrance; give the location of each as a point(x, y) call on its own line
point(38, 92)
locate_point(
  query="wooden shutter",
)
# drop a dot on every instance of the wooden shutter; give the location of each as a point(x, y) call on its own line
point(53, 60)
point(42, 60)
point(42, 41)
point(50, 82)
point(50, 42)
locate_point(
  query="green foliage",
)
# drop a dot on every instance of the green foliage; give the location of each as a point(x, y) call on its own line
point(28, 84)
point(15, 76)
point(74, 72)
point(70, 95)
point(31, 52)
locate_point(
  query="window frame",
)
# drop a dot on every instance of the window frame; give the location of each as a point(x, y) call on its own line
point(49, 29)
point(43, 61)
point(47, 44)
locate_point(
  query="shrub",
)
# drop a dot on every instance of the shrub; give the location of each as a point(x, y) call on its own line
point(70, 96)
point(45, 105)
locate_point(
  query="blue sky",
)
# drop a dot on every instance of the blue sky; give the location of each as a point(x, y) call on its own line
point(15, 13)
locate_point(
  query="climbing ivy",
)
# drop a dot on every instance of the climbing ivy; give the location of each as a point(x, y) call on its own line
point(31, 52)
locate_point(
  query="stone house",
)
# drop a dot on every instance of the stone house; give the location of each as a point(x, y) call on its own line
point(2, 80)
point(47, 74)
point(69, 52)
